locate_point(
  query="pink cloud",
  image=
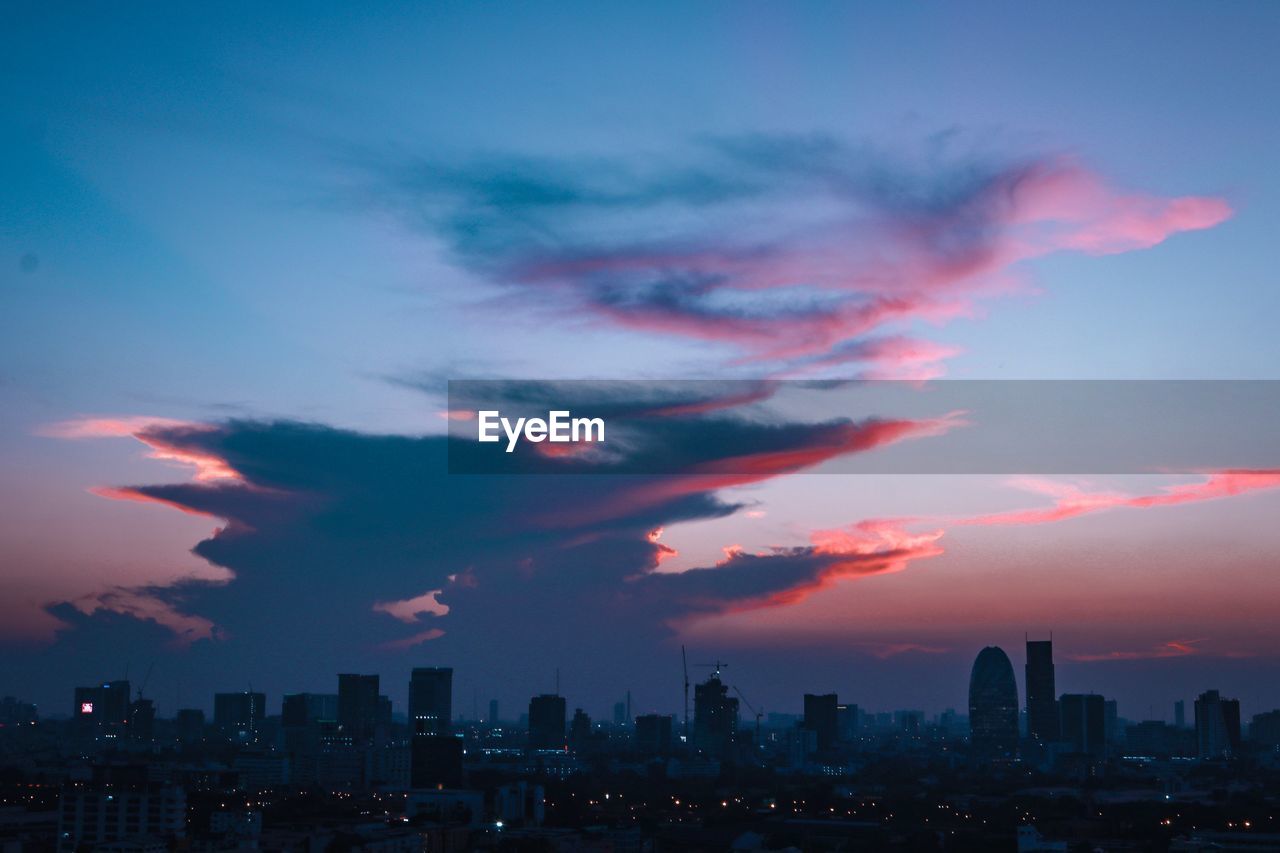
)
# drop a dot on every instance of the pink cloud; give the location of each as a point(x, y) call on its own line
point(186, 627)
point(1171, 649)
point(154, 433)
point(883, 264)
point(412, 609)
point(1071, 501)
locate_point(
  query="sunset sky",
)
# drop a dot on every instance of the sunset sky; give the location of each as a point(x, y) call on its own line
point(243, 248)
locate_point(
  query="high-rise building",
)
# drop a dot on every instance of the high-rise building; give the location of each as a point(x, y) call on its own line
point(653, 734)
point(190, 725)
point(142, 721)
point(1084, 722)
point(715, 718)
point(358, 705)
point(1042, 703)
point(822, 717)
point(993, 705)
point(847, 722)
point(546, 722)
point(102, 711)
point(431, 699)
point(1264, 729)
point(493, 710)
point(435, 761)
point(1111, 720)
point(1217, 725)
point(1180, 714)
point(580, 730)
point(238, 716)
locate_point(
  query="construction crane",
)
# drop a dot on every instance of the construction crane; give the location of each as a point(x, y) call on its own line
point(145, 679)
point(753, 710)
point(685, 661)
point(717, 666)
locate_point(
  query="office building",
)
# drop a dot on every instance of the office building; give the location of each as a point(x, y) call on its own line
point(238, 716)
point(1042, 702)
point(435, 761)
point(358, 706)
point(1217, 725)
point(546, 722)
point(993, 705)
point(653, 734)
point(431, 699)
point(1084, 722)
point(822, 717)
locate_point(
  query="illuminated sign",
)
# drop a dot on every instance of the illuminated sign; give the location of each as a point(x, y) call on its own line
point(86, 707)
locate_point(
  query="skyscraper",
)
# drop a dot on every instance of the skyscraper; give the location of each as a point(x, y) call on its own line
point(102, 710)
point(1217, 725)
point(358, 705)
point(1084, 724)
point(1042, 704)
point(653, 734)
point(715, 717)
point(1180, 714)
point(238, 716)
point(431, 699)
point(435, 761)
point(821, 716)
point(993, 705)
point(546, 722)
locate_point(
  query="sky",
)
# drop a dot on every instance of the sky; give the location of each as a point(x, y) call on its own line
point(242, 249)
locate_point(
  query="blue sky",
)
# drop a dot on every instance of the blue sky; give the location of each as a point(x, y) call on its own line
point(193, 223)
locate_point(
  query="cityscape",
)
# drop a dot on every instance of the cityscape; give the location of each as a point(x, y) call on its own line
point(1028, 770)
point(565, 426)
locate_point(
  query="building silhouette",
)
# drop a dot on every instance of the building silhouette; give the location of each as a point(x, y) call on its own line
point(715, 718)
point(822, 717)
point(102, 711)
point(431, 699)
point(993, 705)
point(1084, 722)
point(238, 716)
point(358, 705)
point(1042, 703)
point(546, 722)
point(435, 761)
point(1217, 725)
point(653, 734)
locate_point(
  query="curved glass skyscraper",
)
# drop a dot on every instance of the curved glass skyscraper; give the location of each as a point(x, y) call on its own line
point(993, 705)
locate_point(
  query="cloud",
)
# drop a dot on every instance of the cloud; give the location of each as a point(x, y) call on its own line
point(158, 434)
point(1071, 501)
point(794, 252)
point(1171, 649)
point(324, 526)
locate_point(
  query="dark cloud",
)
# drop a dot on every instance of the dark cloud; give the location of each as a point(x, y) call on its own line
point(784, 247)
point(326, 529)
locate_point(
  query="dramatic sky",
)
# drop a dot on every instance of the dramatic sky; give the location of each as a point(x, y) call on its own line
point(242, 249)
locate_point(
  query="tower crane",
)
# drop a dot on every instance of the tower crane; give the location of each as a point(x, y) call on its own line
point(753, 710)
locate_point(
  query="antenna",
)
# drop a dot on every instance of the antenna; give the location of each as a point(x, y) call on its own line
point(557, 681)
point(685, 660)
